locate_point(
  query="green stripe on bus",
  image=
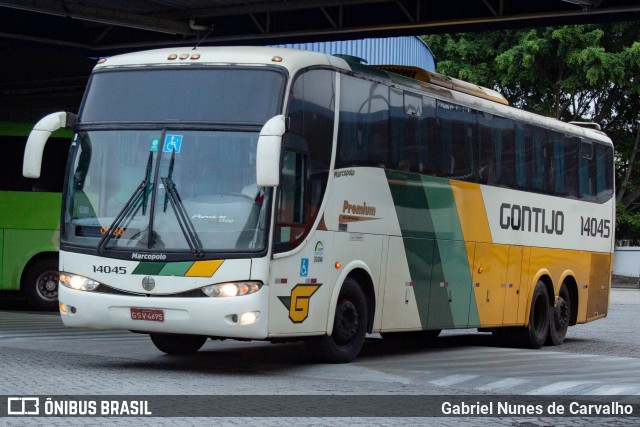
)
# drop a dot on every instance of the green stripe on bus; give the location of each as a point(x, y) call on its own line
point(454, 262)
point(149, 268)
point(410, 200)
point(176, 268)
point(435, 248)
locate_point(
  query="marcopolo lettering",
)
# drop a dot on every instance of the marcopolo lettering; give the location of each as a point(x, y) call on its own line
point(531, 219)
point(347, 172)
point(148, 257)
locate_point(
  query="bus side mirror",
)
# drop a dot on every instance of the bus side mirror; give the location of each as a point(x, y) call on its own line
point(269, 152)
point(32, 163)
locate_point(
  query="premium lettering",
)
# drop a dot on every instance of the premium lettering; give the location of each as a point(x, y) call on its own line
point(362, 209)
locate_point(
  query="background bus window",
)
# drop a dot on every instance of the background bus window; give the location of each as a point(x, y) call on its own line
point(52, 174)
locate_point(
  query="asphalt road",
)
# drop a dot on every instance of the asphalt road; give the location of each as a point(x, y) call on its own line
point(41, 357)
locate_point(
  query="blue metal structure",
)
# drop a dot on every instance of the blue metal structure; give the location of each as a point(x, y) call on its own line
point(410, 51)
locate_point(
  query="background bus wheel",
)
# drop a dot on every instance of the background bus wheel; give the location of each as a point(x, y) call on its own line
point(40, 284)
point(349, 327)
point(178, 344)
point(559, 318)
point(534, 335)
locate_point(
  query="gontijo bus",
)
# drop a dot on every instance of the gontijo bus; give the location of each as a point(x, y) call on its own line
point(275, 194)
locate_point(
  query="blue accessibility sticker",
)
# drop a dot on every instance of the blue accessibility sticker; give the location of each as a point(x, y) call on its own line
point(172, 143)
point(304, 267)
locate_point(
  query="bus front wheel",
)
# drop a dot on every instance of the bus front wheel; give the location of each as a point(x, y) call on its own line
point(349, 326)
point(178, 344)
point(40, 284)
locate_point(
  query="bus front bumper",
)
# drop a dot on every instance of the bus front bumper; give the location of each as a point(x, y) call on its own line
point(243, 317)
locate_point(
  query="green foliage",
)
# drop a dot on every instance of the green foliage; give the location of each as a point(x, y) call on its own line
point(578, 72)
point(627, 225)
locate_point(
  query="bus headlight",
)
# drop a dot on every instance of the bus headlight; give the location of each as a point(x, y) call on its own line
point(232, 289)
point(80, 283)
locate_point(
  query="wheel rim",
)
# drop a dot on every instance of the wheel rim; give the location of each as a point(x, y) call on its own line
point(47, 285)
point(346, 327)
point(561, 317)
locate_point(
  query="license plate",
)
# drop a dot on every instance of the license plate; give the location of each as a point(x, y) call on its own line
point(150, 314)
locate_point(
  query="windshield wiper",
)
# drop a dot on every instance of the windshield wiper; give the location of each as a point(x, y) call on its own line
point(187, 227)
point(140, 193)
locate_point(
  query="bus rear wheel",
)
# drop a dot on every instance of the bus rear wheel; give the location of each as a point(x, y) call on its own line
point(40, 284)
point(178, 344)
point(349, 327)
point(559, 318)
point(535, 334)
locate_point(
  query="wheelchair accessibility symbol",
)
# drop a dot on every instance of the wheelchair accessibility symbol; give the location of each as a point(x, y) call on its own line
point(172, 143)
point(304, 267)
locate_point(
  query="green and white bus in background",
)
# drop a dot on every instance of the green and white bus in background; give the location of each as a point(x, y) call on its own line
point(30, 217)
point(281, 195)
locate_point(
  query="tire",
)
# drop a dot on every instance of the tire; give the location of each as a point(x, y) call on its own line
point(349, 327)
point(40, 284)
point(535, 334)
point(559, 318)
point(178, 344)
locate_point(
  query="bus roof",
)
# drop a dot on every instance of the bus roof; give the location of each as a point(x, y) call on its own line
point(291, 59)
point(294, 59)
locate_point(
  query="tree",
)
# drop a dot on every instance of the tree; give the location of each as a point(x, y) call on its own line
point(578, 72)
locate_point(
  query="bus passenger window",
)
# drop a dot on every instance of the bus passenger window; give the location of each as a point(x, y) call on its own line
point(307, 156)
point(586, 171)
point(571, 166)
point(604, 172)
point(291, 214)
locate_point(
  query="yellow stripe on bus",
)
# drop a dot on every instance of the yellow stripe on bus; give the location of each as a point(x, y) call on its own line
point(204, 268)
point(472, 212)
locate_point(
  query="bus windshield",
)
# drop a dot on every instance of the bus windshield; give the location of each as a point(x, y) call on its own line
point(185, 94)
point(165, 190)
point(164, 160)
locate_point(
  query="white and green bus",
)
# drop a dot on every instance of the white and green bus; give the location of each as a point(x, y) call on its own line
point(30, 217)
point(276, 194)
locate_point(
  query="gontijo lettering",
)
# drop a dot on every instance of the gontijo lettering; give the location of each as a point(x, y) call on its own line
point(531, 219)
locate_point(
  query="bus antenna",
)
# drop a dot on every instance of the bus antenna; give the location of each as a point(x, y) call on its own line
point(204, 38)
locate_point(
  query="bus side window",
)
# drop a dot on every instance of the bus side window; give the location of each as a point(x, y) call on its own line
point(457, 135)
point(496, 150)
point(586, 171)
point(427, 136)
point(571, 145)
point(363, 134)
point(604, 172)
point(407, 147)
point(306, 156)
point(291, 208)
